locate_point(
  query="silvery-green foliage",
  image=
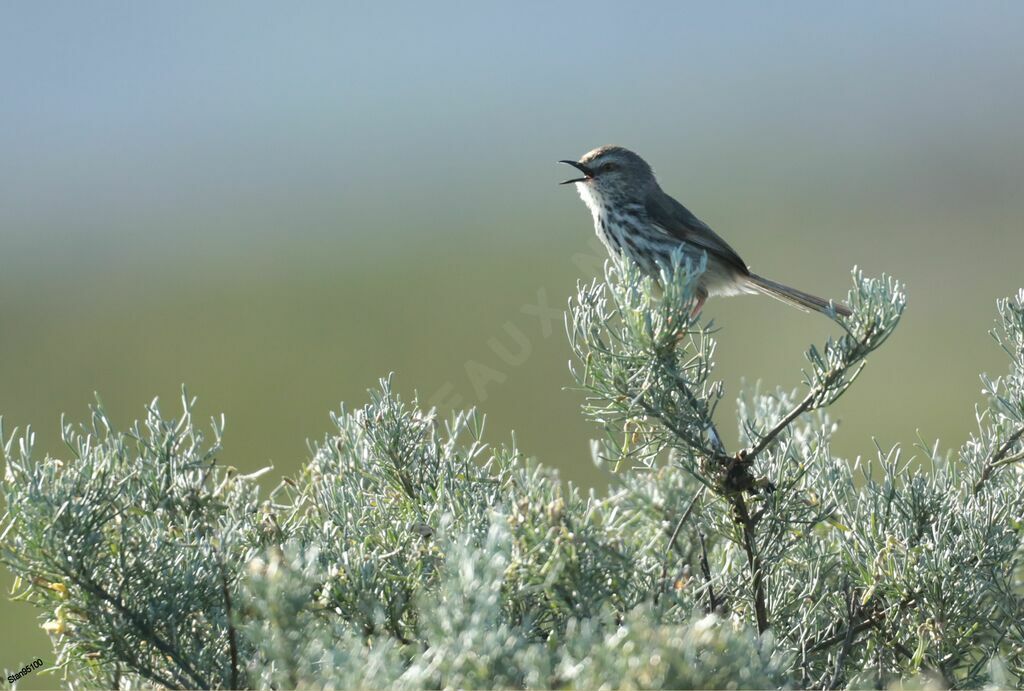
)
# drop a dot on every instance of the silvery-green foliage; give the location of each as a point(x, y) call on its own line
point(128, 546)
point(296, 640)
point(410, 553)
point(642, 652)
point(863, 571)
point(471, 641)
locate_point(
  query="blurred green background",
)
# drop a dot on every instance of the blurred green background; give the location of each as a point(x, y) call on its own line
point(277, 204)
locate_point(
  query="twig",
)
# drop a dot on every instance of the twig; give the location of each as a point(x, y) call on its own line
point(750, 453)
point(877, 618)
point(840, 637)
point(1010, 460)
point(702, 409)
point(706, 570)
point(153, 637)
point(689, 439)
point(232, 636)
point(673, 544)
point(859, 351)
point(996, 458)
point(851, 613)
point(753, 559)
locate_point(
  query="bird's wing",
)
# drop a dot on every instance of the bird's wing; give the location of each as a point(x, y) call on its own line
point(676, 220)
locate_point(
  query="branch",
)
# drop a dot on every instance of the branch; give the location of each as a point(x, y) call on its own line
point(232, 636)
point(809, 402)
point(753, 558)
point(706, 570)
point(674, 544)
point(876, 618)
point(751, 452)
point(851, 352)
point(999, 457)
point(688, 439)
point(154, 638)
point(851, 612)
point(1010, 460)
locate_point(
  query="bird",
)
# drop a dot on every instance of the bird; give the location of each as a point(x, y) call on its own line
point(635, 218)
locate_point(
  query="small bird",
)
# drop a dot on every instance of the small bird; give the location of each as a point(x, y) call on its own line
point(634, 217)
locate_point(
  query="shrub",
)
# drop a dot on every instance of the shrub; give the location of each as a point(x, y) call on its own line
point(410, 553)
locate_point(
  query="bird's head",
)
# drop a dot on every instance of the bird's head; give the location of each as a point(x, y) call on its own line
point(612, 173)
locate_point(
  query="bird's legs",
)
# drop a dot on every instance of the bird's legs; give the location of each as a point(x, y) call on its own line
point(701, 297)
point(694, 313)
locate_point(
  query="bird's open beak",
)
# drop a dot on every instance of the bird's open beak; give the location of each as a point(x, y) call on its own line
point(587, 174)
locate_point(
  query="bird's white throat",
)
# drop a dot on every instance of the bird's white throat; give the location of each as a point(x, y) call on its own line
point(608, 232)
point(591, 198)
point(595, 202)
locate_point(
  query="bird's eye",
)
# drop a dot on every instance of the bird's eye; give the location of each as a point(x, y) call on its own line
point(607, 166)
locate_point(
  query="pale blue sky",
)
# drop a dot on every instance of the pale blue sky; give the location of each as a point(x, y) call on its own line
point(125, 115)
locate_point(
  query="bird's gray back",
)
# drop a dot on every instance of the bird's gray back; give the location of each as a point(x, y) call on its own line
point(675, 219)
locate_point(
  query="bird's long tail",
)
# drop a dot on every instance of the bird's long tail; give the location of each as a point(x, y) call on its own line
point(797, 298)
